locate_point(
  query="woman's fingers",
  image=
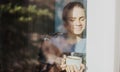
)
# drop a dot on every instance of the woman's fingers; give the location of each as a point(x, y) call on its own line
point(63, 60)
point(71, 68)
point(75, 68)
point(64, 56)
point(68, 68)
point(82, 67)
point(63, 67)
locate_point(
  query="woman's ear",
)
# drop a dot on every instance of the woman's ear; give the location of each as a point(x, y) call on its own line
point(65, 24)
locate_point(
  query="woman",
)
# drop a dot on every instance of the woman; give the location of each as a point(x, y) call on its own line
point(71, 41)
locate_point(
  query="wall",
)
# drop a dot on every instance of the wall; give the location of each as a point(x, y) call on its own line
point(100, 35)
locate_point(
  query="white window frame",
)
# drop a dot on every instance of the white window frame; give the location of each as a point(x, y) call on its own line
point(117, 38)
point(101, 34)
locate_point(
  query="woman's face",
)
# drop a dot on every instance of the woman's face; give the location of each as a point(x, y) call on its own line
point(75, 21)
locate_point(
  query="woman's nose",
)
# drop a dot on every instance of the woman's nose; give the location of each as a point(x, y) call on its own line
point(78, 22)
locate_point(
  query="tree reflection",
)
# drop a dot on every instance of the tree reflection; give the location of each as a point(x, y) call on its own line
point(18, 20)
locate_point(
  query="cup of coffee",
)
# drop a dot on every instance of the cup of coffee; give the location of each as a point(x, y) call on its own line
point(74, 60)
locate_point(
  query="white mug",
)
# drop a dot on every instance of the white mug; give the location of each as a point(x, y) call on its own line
point(74, 60)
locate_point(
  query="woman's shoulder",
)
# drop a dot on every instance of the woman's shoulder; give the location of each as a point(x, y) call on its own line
point(83, 40)
point(58, 36)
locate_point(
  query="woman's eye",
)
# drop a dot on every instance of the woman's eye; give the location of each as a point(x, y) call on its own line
point(72, 20)
point(82, 19)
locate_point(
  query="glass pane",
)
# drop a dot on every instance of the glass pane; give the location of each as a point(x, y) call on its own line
point(42, 35)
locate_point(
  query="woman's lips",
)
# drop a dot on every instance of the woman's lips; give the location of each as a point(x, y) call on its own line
point(78, 28)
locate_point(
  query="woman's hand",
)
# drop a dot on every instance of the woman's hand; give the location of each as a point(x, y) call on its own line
point(73, 68)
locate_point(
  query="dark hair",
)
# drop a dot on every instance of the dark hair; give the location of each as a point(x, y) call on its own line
point(70, 6)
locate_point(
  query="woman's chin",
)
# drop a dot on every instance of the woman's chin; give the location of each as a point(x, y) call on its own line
point(77, 32)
